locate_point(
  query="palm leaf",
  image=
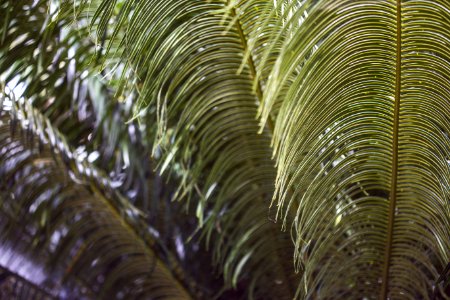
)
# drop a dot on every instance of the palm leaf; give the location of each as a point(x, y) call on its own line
point(81, 231)
point(352, 95)
point(52, 62)
point(362, 140)
point(186, 56)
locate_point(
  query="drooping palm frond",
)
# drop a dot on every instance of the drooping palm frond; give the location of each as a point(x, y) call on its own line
point(187, 56)
point(362, 144)
point(81, 232)
point(187, 70)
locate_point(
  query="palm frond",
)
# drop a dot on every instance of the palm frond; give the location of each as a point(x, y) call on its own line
point(188, 59)
point(80, 230)
point(52, 61)
point(362, 144)
point(81, 105)
point(342, 152)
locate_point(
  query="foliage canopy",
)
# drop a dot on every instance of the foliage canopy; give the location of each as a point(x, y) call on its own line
point(294, 149)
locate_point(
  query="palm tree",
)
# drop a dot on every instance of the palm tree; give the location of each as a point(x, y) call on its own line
point(162, 149)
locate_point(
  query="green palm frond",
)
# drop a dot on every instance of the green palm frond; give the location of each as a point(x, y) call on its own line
point(362, 140)
point(189, 69)
point(70, 220)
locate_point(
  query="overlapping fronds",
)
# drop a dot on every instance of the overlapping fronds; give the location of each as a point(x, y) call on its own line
point(189, 59)
point(54, 63)
point(353, 96)
point(362, 104)
point(358, 93)
point(62, 214)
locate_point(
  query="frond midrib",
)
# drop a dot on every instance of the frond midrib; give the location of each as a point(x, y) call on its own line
point(5, 272)
point(394, 170)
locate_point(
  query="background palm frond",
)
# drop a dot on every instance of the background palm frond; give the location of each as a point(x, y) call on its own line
point(14, 286)
point(82, 229)
point(53, 62)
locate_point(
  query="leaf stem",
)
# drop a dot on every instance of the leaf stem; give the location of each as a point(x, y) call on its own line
point(5, 273)
point(393, 192)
